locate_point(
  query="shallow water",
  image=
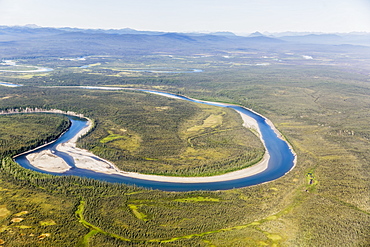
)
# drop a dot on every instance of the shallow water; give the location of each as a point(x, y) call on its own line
point(9, 84)
point(281, 158)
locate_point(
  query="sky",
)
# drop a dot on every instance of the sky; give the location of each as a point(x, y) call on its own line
point(238, 16)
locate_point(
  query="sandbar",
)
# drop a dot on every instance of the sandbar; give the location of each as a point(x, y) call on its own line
point(86, 160)
point(47, 161)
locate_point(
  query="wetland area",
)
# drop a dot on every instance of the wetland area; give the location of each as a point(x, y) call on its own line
point(310, 98)
point(269, 168)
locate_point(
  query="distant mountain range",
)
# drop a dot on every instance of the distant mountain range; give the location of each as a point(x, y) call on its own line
point(32, 40)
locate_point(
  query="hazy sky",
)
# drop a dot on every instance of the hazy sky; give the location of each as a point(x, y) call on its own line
point(239, 16)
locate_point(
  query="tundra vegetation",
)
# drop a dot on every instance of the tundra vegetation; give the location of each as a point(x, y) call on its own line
point(323, 111)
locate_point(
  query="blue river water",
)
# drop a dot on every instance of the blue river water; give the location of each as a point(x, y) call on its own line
point(6, 84)
point(166, 71)
point(281, 158)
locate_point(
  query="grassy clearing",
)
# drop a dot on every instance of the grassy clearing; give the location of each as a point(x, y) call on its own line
point(94, 229)
point(323, 201)
point(85, 242)
point(137, 213)
point(48, 222)
point(197, 199)
point(21, 213)
point(32, 220)
point(111, 137)
point(4, 212)
point(212, 121)
point(131, 143)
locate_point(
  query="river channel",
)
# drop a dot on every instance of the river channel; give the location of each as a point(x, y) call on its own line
point(282, 158)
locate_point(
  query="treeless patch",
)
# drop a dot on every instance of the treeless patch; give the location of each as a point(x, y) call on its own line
point(44, 235)
point(17, 220)
point(210, 122)
point(21, 213)
point(47, 222)
point(4, 211)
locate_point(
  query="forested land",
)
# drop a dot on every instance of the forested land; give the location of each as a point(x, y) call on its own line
point(320, 105)
point(152, 134)
point(21, 132)
point(312, 110)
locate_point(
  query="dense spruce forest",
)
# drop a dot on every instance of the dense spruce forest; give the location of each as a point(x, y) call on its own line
point(33, 130)
point(155, 135)
point(317, 97)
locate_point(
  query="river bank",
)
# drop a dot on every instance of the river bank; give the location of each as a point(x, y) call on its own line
point(278, 160)
point(47, 161)
point(33, 69)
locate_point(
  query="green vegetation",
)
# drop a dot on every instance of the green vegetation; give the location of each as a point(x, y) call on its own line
point(322, 111)
point(137, 213)
point(16, 68)
point(197, 199)
point(23, 131)
point(47, 222)
point(111, 137)
point(154, 134)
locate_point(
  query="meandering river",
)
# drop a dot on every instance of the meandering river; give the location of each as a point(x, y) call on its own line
point(33, 69)
point(282, 158)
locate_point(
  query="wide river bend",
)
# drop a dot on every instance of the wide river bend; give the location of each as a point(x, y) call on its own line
point(281, 157)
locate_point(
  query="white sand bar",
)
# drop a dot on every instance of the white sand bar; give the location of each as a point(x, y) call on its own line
point(84, 159)
point(47, 161)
